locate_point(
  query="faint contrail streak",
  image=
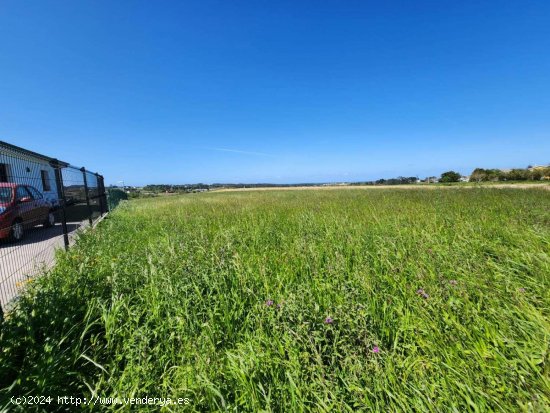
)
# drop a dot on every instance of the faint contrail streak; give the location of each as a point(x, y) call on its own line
point(239, 151)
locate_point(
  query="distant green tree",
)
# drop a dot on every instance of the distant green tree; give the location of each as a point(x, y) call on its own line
point(450, 176)
point(518, 175)
point(480, 174)
point(537, 174)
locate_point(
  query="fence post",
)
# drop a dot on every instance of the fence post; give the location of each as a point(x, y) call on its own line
point(87, 195)
point(99, 194)
point(103, 196)
point(61, 200)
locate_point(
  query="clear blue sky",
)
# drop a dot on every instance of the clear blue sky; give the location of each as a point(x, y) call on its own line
point(277, 91)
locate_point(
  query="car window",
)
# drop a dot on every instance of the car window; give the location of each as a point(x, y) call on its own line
point(20, 193)
point(5, 195)
point(34, 192)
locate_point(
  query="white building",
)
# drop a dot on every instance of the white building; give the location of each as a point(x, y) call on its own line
point(18, 165)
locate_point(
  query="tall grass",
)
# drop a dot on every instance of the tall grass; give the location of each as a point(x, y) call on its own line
point(289, 301)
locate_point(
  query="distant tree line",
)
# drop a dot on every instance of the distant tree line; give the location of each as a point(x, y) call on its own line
point(187, 188)
point(400, 180)
point(478, 175)
point(528, 174)
point(175, 188)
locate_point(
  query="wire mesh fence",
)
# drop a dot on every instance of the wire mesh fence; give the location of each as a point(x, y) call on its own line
point(44, 203)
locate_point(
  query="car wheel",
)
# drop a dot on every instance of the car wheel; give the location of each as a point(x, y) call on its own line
point(50, 220)
point(17, 231)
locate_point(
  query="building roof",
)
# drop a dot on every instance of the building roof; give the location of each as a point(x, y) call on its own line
point(22, 151)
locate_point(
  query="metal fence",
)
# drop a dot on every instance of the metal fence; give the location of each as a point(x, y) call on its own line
point(44, 203)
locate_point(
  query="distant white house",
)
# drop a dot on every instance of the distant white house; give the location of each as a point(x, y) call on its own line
point(464, 179)
point(18, 165)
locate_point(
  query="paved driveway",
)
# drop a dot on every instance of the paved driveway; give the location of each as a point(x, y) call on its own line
point(25, 259)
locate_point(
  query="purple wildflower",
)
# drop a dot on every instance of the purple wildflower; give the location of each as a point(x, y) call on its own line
point(422, 293)
point(269, 303)
point(329, 320)
point(376, 349)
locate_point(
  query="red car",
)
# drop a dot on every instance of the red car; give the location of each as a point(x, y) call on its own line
point(22, 207)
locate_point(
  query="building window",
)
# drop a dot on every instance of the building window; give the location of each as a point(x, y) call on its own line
point(3, 172)
point(45, 180)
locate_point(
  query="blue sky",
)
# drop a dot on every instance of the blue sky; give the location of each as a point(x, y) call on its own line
point(277, 91)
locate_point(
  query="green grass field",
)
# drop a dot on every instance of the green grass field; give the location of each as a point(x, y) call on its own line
point(337, 300)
